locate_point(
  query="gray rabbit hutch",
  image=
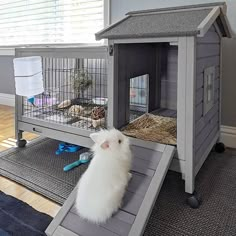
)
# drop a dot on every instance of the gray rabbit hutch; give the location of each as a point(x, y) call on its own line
point(160, 74)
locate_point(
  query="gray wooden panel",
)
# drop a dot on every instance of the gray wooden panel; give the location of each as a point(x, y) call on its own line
point(124, 216)
point(200, 77)
point(199, 111)
point(169, 80)
point(206, 143)
point(168, 84)
point(200, 138)
point(139, 184)
point(84, 228)
point(147, 144)
point(200, 93)
point(199, 96)
point(169, 92)
point(172, 55)
point(207, 126)
point(61, 231)
point(207, 62)
point(168, 102)
point(199, 106)
point(172, 71)
point(208, 50)
point(141, 166)
point(131, 203)
point(145, 163)
point(117, 226)
point(212, 29)
point(211, 37)
point(122, 88)
point(217, 84)
point(204, 120)
point(216, 96)
point(146, 154)
point(165, 112)
point(114, 224)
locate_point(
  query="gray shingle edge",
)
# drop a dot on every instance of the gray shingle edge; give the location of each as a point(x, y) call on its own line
point(154, 35)
point(109, 27)
point(186, 7)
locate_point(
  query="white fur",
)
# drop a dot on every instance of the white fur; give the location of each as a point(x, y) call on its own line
point(102, 186)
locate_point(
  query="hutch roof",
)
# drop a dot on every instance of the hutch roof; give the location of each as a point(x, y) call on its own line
point(165, 22)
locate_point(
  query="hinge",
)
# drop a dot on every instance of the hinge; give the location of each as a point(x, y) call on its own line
point(111, 49)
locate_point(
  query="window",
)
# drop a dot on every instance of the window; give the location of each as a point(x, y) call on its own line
point(50, 21)
point(209, 78)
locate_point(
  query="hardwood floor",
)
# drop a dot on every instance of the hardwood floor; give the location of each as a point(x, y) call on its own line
point(7, 140)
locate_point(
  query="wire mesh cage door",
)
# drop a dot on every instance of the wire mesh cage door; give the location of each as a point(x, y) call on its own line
point(75, 93)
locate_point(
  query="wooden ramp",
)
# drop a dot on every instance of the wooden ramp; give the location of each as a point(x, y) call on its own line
point(149, 170)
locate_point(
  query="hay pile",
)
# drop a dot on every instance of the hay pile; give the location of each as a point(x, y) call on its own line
point(153, 128)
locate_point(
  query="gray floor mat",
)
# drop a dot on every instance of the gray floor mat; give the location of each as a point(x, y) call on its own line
point(216, 184)
point(40, 169)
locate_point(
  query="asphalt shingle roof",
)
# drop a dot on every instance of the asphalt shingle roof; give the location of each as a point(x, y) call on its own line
point(179, 21)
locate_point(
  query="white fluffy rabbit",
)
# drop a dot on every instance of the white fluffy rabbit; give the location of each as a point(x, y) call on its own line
point(102, 186)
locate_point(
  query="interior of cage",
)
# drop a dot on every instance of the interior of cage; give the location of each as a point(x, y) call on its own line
point(146, 77)
point(75, 93)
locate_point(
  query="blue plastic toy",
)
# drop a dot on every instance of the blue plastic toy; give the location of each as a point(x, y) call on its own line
point(67, 147)
point(83, 159)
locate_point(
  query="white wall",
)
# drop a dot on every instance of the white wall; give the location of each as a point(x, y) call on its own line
point(120, 7)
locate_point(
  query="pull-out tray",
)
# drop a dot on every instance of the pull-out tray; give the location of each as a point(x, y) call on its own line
point(148, 172)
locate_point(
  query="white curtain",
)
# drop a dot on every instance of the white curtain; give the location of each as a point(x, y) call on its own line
point(50, 21)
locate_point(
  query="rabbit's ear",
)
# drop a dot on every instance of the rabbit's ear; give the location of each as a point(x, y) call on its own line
point(95, 137)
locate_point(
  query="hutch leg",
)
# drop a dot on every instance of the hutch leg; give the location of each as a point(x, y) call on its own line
point(20, 142)
point(193, 200)
point(219, 147)
point(18, 112)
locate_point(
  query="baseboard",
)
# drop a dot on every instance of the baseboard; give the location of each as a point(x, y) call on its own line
point(7, 99)
point(228, 136)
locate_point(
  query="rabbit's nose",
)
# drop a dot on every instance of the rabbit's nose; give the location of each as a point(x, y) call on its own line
point(105, 145)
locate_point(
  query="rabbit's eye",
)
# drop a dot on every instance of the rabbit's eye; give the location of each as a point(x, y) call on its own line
point(119, 141)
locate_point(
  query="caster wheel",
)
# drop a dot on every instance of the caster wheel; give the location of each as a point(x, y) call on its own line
point(21, 143)
point(194, 201)
point(219, 147)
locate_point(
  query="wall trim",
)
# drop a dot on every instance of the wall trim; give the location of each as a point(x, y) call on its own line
point(228, 136)
point(7, 99)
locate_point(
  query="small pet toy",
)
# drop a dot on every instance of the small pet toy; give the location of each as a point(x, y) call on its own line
point(67, 147)
point(75, 110)
point(83, 159)
point(98, 113)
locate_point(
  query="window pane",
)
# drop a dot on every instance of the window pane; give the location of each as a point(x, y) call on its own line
point(50, 21)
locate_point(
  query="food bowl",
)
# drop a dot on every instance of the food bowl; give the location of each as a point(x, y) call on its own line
point(100, 101)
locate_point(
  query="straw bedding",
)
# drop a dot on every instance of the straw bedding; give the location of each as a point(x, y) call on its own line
point(153, 128)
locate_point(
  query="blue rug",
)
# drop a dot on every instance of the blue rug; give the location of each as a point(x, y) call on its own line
point(19, 219)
